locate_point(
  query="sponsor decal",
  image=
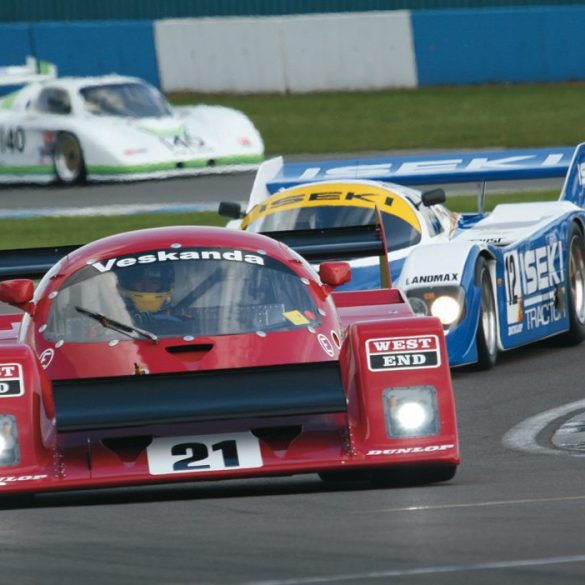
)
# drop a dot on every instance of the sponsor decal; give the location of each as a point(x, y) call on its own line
point(331, 195)
point(403, 353)
point(47, 357)
point(174, 256)
point(6, 479)
point(488, 239)
point(296, 317)
point(540, 315)
point(438, 164)
point(11, 383)
point(409, 450)
point(433, 278)
point(326, 345)
point(515, 329)
point(531, 277)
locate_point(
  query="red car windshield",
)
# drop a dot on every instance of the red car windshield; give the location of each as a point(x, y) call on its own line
point(186, 292)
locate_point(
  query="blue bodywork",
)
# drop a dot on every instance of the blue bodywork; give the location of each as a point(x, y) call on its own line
point(530, 273)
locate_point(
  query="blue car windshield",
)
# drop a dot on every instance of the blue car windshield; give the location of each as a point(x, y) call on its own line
point(399, 233)
point(133, 100)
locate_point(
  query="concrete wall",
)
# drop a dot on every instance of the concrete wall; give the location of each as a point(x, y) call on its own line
point(293, 54)
point(370, 50)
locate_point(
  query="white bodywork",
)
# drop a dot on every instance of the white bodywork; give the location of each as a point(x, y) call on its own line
point(185, 140)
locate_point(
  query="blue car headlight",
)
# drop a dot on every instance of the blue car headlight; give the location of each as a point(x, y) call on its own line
point(447, 303)
point(9, 446)
point(411, 411)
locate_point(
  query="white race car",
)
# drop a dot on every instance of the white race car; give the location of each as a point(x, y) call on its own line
point(113, 128)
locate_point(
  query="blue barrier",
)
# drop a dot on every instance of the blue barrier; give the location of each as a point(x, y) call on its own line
point(506, 45)
point(85, 48)
point(15, 44)
point(451, 46)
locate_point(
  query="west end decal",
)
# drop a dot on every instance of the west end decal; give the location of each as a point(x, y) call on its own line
point(164, 256)
point(403, 353)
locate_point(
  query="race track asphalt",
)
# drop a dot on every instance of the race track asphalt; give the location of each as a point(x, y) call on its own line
point(514, 514)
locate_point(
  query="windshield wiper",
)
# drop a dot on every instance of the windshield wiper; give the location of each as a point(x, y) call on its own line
point(109, 323)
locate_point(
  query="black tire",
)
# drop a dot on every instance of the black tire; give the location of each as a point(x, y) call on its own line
point(487, 328)
point(576, 286)
point(411, 476)
point(68, 160)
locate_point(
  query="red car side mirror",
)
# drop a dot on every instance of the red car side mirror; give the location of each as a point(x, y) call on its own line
point(18, 292)
point(335, 273)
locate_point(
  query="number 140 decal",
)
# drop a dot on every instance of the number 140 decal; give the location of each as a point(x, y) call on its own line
point(203, 453)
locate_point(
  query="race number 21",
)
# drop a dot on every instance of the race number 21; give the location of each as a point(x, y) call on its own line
point(203, 453)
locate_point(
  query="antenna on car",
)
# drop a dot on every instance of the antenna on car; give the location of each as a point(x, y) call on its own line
point(385, 273)
point(481, 197)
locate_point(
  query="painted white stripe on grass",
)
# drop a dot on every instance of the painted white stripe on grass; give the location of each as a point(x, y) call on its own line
point(360, 577)
point(523, 436)
point(107, 210)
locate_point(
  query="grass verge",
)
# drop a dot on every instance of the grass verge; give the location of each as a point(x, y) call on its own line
point(467, 117)
point(53, 231)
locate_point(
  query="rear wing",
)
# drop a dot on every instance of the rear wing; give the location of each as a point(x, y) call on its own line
point(342, 243)
point(31, 262)
point(420, 169)
point(32, 70)
point(574, 186)
point(289, 390)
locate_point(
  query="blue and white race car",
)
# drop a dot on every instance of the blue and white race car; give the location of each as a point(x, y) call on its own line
point(496, 280)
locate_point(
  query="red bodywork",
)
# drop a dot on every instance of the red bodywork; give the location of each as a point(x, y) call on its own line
point(355, 329)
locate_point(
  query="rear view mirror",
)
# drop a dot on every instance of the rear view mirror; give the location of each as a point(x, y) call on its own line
point(230, 209)
point(17, 292)
point(433, 197)
point(335, 273)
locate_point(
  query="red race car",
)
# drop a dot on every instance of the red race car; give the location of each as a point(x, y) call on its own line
point(198, 353)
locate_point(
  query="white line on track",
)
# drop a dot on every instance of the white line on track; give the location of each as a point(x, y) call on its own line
point(523, 436)
point(115, 209)
point(474, 505)
point(360, 577)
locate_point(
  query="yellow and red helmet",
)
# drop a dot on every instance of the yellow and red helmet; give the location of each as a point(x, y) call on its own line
point(148, 287)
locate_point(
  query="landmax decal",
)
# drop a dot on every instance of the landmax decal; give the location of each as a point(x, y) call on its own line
point(433, 278)
point(164, 256)
point(408, 450)
point(403, 353)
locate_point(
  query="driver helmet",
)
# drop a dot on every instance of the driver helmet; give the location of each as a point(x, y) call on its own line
point(148, 287)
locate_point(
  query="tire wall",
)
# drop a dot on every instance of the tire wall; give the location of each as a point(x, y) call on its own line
point(349, 51)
